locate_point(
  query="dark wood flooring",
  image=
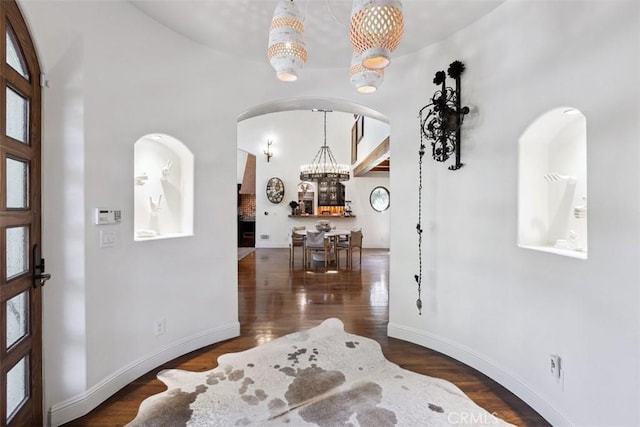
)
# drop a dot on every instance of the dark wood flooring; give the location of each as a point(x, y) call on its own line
point(275, 301)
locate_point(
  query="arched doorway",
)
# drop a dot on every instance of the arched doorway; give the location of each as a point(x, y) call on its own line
point(293, 130)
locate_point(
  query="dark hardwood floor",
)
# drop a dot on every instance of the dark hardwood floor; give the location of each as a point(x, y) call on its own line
point(274, 301)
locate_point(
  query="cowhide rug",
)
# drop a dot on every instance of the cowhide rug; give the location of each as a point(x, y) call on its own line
point(322, 376)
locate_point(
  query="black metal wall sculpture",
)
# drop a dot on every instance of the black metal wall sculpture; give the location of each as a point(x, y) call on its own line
point(445, 116)
point(442, 127)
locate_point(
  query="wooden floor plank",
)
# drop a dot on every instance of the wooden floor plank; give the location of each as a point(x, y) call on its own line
point(275, 301)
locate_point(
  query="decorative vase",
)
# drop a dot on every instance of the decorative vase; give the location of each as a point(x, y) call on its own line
point(323, 225)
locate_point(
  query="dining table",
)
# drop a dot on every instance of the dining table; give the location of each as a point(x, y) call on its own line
point(334, 235)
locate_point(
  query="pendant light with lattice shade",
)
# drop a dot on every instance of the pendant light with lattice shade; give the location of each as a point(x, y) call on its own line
point(363, 79)
point(376, 29)
point(287, 53)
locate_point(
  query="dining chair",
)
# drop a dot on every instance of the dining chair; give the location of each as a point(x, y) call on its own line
point(354, 242)
point(296, 240)
point(316, 243)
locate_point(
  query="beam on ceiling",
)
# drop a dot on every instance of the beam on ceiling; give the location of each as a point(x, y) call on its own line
point(377, 155)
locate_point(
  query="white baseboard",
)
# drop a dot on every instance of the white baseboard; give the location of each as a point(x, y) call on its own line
point(77, 406)
point(466, 355)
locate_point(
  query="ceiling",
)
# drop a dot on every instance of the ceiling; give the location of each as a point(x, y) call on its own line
point(241, 27)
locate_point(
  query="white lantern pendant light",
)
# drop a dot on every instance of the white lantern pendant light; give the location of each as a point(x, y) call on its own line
point(376, 29)
point(363, 79)
point(287, 53)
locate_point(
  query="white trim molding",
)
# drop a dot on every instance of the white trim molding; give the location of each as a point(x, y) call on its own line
point(80, 405)
point(477, 361)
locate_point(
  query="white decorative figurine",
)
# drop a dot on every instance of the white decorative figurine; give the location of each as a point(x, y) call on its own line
point(166, 171)
point(155, 207)
point(142, 179)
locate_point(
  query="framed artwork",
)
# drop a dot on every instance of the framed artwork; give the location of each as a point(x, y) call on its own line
point(354, 142)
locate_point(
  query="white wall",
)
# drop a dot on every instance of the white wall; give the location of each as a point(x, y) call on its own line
point(64, 226)
point(297, 136)
point(109, 86)
point(487, 302)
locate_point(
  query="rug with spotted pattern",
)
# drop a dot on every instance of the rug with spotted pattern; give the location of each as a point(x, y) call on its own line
point(318, 377)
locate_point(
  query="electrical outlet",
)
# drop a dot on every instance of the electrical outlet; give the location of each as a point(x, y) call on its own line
point(160, 326)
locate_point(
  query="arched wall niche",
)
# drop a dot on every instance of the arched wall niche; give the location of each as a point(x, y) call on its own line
point(552, 184)
point(163, 193)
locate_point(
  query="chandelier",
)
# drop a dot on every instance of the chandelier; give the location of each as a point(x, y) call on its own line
point(377, 26)
point(324, 167)
point(286, 52)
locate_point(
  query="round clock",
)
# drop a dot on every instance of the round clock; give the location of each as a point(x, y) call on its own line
point(275, 190)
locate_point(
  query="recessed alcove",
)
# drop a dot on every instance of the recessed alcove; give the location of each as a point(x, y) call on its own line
point(163, 188)
point(552, 184)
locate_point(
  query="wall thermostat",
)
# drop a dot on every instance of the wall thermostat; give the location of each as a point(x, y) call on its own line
point(107, 216)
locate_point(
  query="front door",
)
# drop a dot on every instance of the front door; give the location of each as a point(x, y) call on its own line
point(20, 293)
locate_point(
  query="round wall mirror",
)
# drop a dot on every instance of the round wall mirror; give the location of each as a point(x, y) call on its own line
point(379, 199)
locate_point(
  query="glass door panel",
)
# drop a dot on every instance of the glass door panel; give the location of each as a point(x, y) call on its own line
point(17, 387)
point(17, 320)
point(14, 54)
point(17, 241)
point(17, 120)
point(17, 184)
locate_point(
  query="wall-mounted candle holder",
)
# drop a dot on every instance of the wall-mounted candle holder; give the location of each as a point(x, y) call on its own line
point(444, 117)
point(268, 151)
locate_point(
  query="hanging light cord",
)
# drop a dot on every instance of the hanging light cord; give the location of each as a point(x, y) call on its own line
point(325, 128)
point(324, 156)
point(418, 276)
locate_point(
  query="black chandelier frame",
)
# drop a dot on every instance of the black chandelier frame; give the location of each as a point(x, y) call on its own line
point(324, 166)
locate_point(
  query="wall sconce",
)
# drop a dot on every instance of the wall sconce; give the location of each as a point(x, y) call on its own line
point(444, 118)
point(268, 152)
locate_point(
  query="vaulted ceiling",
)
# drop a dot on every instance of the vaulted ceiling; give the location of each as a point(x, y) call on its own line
point(241, 27)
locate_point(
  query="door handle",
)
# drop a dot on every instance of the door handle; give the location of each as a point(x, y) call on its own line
point(39, 276)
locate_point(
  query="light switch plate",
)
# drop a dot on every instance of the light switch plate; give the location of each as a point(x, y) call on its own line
point(107, 238)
